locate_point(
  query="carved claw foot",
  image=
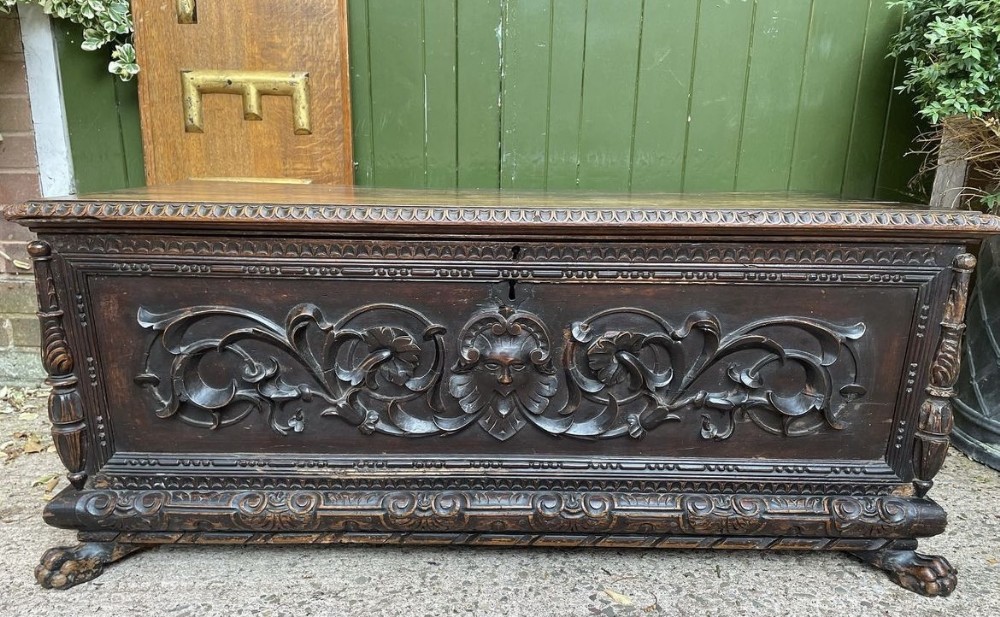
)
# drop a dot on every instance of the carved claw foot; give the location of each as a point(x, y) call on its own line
point(65, 566)
point(928, 575)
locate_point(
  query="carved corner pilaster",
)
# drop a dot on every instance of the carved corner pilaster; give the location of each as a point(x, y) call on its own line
point(65, 405)
point(936, 418)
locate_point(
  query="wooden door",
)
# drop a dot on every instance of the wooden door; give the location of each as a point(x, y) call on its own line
point(244, 89)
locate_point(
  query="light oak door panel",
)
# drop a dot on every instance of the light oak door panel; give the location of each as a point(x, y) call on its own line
point(249, 121)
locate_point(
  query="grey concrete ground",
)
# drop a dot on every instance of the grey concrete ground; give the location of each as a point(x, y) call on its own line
point(188, 581)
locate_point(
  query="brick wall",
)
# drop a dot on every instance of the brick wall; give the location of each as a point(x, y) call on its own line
point(19, 180)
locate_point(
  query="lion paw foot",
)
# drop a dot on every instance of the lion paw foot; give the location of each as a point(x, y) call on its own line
point(65, 566)
point(928, 575)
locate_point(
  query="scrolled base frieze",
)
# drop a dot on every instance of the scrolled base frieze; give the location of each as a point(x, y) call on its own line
point(491, 539)
point(471, 511)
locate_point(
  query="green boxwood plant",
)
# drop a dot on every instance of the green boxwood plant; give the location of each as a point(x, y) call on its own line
point(951, 49)
point(105, 22)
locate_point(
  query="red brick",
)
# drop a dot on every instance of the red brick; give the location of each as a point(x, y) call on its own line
point(11, 252)
point(12, 232)
point(15, 114)
point(12, 77)
point(10, 36)
point(17, 297)
point(18, 152)
point(19, 331)
point(18, 187)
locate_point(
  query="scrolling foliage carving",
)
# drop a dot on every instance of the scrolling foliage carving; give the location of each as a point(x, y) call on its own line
point(382, 367)
point(355, 368)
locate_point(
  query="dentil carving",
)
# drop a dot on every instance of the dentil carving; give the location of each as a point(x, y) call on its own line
point(381, 367)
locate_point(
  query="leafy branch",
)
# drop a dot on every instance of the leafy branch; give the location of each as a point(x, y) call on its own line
point(952, 52)
point(104, 22)
point(951, 49)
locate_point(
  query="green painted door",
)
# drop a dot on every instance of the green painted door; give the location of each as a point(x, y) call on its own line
point(615, 95)
point(102, 116)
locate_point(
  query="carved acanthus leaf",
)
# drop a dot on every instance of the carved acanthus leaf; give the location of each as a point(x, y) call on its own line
point(382, 367)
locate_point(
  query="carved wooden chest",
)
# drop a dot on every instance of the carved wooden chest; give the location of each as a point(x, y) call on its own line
point(235, 364)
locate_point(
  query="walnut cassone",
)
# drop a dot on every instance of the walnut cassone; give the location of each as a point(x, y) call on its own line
point(271, 364)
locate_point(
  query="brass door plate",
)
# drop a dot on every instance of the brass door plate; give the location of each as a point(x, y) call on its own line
point(251, 85)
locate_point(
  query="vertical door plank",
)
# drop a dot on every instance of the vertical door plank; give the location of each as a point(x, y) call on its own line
point(829, 89)
point(397, 74)
point(874, 89)
point(609, 86)
point(657, 156)
point(441, 133)
point(569, 18)
point(127, 104)
point(776, 62)
point(717, 97)
point(361, 93)
point(99, 160)
point(896, 167)
point(527, 44)
point(480, 36)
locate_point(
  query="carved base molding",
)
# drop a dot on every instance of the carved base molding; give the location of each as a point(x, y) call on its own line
point(495, 540)
point(66, 566)
point(318, 511)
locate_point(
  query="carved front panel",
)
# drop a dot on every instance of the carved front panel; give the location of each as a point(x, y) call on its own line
point(381, 368)
point(402, 359)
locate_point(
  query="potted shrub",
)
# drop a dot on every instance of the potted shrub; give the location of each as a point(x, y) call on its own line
point(951, 49)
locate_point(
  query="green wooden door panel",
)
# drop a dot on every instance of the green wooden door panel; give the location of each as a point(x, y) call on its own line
point(829, 95)
point(896, 167)
point(127, 99)
point(610, 76)
point(441, 126)
point(102, 116)
point(562, 152)
point(661, 110)
point(868, 129)
point(361, 92)
point(660, 95)
point(773, 86)
point(717, 94)
point(616, 95)
point(397, 91)
point(479, 42)
point(525, 75)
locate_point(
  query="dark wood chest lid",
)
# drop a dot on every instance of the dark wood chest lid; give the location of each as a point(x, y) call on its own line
point(201, 206)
